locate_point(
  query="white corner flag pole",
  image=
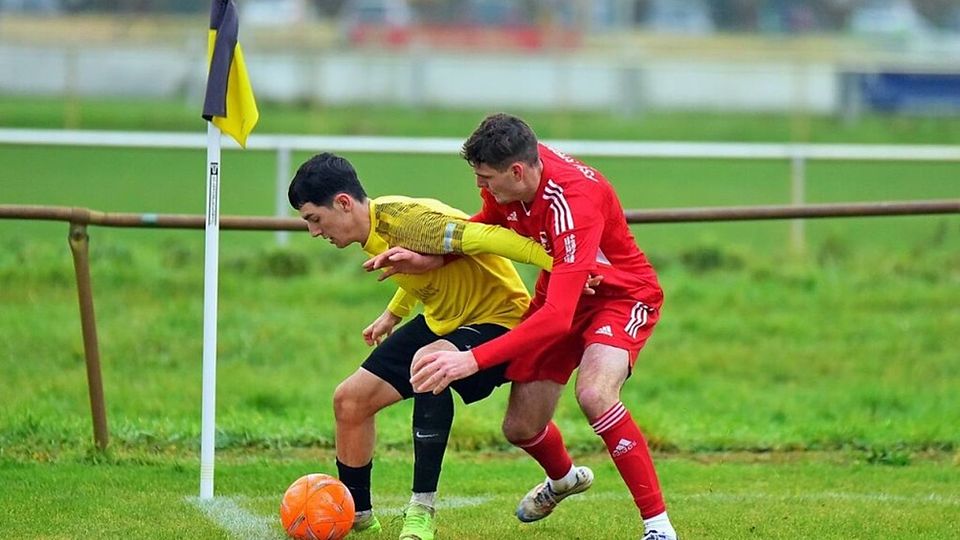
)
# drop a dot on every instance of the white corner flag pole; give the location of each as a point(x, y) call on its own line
point(208, 424)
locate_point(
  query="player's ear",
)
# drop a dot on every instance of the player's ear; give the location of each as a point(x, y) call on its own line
point(342, 201)
point(517, 170)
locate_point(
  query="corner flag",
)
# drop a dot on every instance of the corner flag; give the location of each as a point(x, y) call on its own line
point(229, 102)
point(229, 107)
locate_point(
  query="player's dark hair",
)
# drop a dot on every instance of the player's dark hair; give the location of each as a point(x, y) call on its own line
point(501, 139)
point(321, 178)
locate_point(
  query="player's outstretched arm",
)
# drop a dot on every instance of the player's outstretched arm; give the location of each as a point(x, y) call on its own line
point(436, 233)
point(482, 238)
point(542, 327)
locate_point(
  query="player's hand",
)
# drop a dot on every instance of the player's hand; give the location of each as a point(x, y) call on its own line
point(435, 371)
point(380, 329)
point(590, 287)
point(398, 260)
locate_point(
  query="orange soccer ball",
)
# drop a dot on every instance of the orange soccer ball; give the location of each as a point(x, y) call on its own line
point(317, 506)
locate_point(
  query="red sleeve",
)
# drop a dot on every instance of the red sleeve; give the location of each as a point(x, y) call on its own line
point(540, 329)
point(575, 224)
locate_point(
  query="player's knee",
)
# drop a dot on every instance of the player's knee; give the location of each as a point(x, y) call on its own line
point(516, 431)
point(594, 400)
point(348, 403)
point(511, 432)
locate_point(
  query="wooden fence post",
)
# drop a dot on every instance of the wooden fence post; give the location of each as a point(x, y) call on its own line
point(91, 349)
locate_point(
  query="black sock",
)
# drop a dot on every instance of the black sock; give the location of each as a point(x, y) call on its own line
point(357, 480)
point(432, 417)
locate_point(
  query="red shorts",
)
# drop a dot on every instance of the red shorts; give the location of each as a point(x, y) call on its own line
point(624, 323)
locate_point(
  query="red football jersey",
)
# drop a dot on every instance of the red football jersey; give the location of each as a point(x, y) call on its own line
point(577, 217)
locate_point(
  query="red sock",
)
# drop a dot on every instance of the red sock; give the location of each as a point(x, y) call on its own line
point(548, 449)
point(632, 458)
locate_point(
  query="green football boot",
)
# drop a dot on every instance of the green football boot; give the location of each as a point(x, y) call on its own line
point(366, 524)
point(417, 523)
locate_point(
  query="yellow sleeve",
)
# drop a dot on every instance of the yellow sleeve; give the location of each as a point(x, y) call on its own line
point(482, 238)
point(402, 303)
point(420, 228)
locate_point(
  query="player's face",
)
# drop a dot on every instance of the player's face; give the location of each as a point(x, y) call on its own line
point(333, 223)
point(503, 185)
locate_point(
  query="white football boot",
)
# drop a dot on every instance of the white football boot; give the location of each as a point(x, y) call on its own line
point(654, 534)
point(540, 501)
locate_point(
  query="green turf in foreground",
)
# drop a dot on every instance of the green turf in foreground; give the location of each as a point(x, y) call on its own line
point(719, 496)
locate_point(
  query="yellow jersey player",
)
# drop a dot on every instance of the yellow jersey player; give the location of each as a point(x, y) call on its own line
point(466, 302)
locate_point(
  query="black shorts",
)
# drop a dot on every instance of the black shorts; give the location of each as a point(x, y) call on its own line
point(391, 360)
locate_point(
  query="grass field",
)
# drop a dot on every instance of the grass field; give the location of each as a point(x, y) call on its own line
point(785, 497)
point(785, 396)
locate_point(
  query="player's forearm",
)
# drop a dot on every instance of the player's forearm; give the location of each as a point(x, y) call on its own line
point(549, 322)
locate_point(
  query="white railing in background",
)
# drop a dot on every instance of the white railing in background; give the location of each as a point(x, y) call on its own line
point(283, 145)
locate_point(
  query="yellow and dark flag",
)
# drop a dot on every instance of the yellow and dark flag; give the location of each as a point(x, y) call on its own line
point(229, 103)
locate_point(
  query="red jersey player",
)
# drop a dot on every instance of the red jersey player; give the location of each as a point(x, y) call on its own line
point(573, 211)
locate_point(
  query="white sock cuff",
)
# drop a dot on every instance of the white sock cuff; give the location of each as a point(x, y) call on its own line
point(425, 499)
point(659, 522)
point(564, 482)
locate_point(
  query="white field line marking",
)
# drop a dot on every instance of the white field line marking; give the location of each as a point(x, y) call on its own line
point(394, 505)
point(445, 503)
point(227, 513)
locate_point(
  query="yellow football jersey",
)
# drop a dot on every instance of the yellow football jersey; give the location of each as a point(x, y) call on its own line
point(469, 290)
